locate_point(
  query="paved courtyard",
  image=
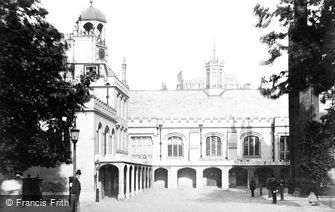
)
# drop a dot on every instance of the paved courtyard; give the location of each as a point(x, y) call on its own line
point(175, 200)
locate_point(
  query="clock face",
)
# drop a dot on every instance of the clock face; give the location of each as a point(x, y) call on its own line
point(102, 54)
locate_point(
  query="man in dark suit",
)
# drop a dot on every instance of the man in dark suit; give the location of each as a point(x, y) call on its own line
point(252, 186)
point(274, 189)
point(75, 191)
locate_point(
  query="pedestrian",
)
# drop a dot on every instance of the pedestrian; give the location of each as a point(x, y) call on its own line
point(274, 189)
point(252, 186)
point(268, 180)
point(75, 191)
point(281, 188)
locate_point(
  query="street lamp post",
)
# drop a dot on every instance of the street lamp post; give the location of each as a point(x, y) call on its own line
point(74, 137)
point(97, 167)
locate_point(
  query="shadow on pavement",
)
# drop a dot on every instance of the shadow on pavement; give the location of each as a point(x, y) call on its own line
point(236, 196)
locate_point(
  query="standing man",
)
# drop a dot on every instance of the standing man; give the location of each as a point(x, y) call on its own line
point(75, 191)
point(273, 188)
point(252, 186)
point(281, 188)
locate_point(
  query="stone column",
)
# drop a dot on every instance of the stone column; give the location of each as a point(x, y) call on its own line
point(136, 180)
point(127, 183)
point(132, 179)
point(141, 177)
point(121, 181)
point(152, 177)
point(148, 177)
point(145, 178)
point(225, 177)
point(199, 179)
point(172, 177)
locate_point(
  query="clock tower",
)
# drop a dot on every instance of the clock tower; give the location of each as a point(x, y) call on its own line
point(87, 43)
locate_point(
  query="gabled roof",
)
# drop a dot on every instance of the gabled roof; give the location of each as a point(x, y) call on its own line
point(196, 103)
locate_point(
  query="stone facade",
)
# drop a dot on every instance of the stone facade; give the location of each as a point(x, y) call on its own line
point(133, 140)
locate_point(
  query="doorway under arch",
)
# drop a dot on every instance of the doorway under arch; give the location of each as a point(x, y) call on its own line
point(161, 178)
point(238, 177)
point(212, 177)
point(186, 178)
point(109, 178)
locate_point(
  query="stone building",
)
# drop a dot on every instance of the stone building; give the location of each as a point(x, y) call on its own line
point(135, 140)
point(195, 138)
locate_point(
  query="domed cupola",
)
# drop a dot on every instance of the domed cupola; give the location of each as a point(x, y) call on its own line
point(92, 14)
point(90, 24)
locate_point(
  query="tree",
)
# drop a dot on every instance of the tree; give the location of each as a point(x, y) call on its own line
point(310, 27)
point(37, 105)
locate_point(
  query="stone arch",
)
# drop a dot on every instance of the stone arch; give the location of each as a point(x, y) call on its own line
point(109, 178)
point(100, 27)
point(186, 177)
point(214, 134)
point(161, 178)
point(238, 177)
point(88, 26)
point(183, 137)
point(263, 174)
point(212, 177)
point(251, 133)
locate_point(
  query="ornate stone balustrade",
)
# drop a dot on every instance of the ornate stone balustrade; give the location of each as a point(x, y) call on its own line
point(213, 159)
point(256, 163)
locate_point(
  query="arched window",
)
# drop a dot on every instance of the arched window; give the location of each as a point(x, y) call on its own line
point(251, 146)
point(111, 142)
point(213, 146)
point(99, 27)
point(104, 146)
point(175, 146)
point(97, 142)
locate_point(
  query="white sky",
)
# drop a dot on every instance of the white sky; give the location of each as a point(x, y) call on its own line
point(159, 38)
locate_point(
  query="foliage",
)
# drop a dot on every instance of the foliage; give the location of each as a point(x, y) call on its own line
point(37, 106)
point(309, 25)
point(319, 148)
point(309, 28)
